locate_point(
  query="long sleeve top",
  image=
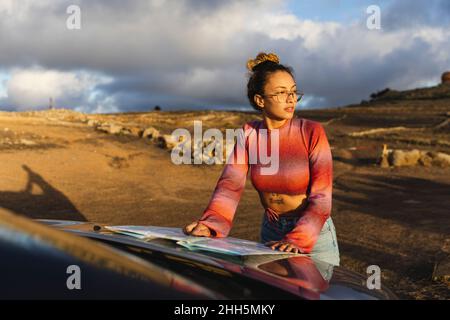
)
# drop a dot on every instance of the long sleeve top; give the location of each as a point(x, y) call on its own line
point(305, 167)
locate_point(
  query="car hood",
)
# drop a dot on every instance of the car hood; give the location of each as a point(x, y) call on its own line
point(298, 275)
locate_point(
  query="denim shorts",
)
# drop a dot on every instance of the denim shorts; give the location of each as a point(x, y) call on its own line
point(326, 248)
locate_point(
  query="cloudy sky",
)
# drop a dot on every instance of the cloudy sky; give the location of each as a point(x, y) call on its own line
point(185, 54)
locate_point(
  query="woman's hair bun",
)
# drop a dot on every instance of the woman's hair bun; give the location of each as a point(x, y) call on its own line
point(260, 58)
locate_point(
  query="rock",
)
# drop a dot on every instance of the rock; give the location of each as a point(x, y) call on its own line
point(205, 151)
point(167, 141)
point(136, 131)
point(92, 123)
point(440, 159)
point(196, 150)
point(209, 151)
point(151, 133)
point(400, 158)
point(115, 129)
point(27, 142)
point(111, 128)
point(102, 127)
point(126, 131)
point(446, 77)
point(425, 159)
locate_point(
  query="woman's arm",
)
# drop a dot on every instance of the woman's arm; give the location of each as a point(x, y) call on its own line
point(219, 214)
point(308, 227)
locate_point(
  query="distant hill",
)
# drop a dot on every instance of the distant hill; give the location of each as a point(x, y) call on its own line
point(441, 91)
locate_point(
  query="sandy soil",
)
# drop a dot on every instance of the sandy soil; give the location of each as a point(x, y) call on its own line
point(398, 218)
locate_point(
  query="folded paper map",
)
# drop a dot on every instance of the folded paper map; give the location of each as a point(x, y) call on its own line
point(229, 245)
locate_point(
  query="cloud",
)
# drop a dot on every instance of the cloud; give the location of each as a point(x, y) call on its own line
point(32, 88)
point(402, 14)
point(3, 79)
point(192, 53)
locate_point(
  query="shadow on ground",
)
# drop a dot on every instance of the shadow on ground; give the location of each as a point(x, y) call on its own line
point(408, 201)
point(51, 204)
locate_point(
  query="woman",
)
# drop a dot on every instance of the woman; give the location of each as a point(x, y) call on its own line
point(297, 199)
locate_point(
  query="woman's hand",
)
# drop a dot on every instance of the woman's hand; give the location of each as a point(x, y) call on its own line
point(197, 229)
point(283, 246)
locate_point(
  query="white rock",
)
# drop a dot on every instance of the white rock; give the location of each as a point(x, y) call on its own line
point(441, 159)
point(92, 123)
point(167, 141)
point(399, 158)
point(115, 129)
point(151, 133)
point(27, 142)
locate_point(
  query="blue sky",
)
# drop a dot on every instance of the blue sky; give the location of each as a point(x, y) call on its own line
point(191, 54)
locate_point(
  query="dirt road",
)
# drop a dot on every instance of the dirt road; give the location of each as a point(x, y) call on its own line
point(396, 218)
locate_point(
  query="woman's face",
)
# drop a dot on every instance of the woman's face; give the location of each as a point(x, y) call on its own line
point(278, 82)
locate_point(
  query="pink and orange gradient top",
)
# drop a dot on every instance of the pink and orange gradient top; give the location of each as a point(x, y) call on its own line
point(305, 167)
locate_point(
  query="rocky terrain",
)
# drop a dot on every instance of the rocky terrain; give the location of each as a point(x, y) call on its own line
point(391, 177)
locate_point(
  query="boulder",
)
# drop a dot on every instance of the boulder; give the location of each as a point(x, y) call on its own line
point(115, 129)
point(27, 142)
point(102, 127)
point(167, 141)
point(136, 131)
point(151, 133)
point(92, 123)
point(425, 159)
point(110, 128)
point(209, 151)
point(400, 158)
point(446, 77)
point(440, 159)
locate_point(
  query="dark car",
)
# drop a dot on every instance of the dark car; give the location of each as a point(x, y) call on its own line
point(41, 258)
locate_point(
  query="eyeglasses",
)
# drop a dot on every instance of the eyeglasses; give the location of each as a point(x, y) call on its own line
point(282, 96)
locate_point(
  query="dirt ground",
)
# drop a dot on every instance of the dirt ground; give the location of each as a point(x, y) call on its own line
point(396, 218)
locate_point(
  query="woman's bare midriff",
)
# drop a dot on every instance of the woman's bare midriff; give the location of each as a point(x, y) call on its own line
point(283, 204)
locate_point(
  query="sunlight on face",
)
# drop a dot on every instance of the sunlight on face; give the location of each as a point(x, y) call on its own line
point(277, 83)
